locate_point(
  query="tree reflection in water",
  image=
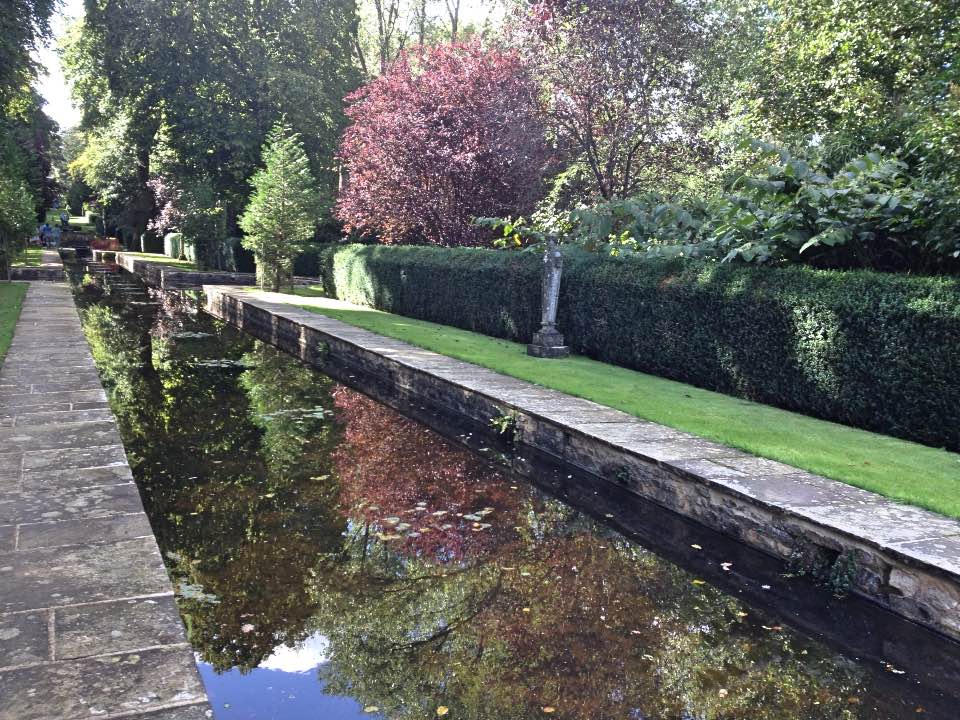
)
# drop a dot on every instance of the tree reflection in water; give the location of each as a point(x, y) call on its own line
point(288, 506)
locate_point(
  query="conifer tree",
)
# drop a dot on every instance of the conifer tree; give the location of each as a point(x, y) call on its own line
point(282, 213)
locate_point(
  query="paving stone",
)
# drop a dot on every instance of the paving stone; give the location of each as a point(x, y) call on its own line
point(638, 432)
point(755, 465)
point(184, 712)
point(52, 436)
point(102, 685)
point(64, 576)
point(24, 639)
point(799, 490)
point(708, 469)
point(10, 464)
point(62, 503)
point(886, 522)
point(92, 405)
point(63, 459)
point(943, 551)
point(34, 374)
point(668, 450)
point(74, 478)
point(8, 538)
point(41, 406)
point(87, 531)
point(62, 416)
point(17, 402)
point(120, 626)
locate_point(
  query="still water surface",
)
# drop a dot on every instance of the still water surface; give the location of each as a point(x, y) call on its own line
point(336, 560)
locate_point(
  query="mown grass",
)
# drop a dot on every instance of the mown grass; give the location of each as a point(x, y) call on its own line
point(31, 256)
point(899, 469)
point(163, 259)
point(11, 298)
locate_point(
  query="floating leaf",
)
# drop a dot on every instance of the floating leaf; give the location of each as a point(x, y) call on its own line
point(726, 566)
point(548, 709)
point(371, 709)
point(699, 582)
point(696, 547)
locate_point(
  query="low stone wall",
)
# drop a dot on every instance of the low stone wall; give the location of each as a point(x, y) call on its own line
point(36, 273)
point(904, 558)
point(169, 277)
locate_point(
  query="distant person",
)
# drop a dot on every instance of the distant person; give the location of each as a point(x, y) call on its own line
point(55, 237)
point(65, 219)
point(44, 234)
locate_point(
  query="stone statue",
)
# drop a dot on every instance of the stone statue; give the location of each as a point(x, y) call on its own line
point(548, 342)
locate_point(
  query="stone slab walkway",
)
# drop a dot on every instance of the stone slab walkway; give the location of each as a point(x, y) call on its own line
point(904, 558)
point(88, 624)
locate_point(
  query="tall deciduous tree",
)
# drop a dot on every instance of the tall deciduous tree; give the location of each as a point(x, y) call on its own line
point(209, 79)
point(17, 219)
point(621, 86)
point(449, 133)
point(282, 214)
point(24, 24)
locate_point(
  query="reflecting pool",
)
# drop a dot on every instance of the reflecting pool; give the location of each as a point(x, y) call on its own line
point(335, 559)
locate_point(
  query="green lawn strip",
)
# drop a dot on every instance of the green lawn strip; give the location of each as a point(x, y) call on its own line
point(163, 260)
point(11, 298)
point(899, 469)
point(30, 257)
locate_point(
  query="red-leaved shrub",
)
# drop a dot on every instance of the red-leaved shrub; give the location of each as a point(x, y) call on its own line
point(449, 133)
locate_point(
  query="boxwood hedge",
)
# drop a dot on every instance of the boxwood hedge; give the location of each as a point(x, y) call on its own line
point(877, 351)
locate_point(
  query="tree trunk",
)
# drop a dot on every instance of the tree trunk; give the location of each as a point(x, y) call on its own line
point(142, 207)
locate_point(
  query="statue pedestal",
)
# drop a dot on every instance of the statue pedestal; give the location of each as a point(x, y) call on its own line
point(548, 343)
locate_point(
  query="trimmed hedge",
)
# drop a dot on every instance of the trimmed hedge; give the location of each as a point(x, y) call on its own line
point(872, 350)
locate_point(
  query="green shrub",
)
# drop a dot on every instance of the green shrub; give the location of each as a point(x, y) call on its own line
point(868, 349)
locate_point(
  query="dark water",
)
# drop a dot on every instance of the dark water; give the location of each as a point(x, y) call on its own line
point(334, 559)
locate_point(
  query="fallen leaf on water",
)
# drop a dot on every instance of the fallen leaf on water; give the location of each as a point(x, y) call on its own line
point(741, 614)
point(636, 632)
point(726, 565)
point(549, 709)
point(699, 582)
point(696, 547)
point(371, 709)
point(442, 710)
point(764, 587)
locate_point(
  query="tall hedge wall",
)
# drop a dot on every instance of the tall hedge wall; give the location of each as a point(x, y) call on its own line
point(872, 350)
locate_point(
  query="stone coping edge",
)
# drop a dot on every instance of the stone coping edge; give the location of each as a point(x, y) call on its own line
point(903, 558)
point(171, 277)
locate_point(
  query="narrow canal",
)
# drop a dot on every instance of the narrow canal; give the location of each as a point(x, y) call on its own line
point(334, 559)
